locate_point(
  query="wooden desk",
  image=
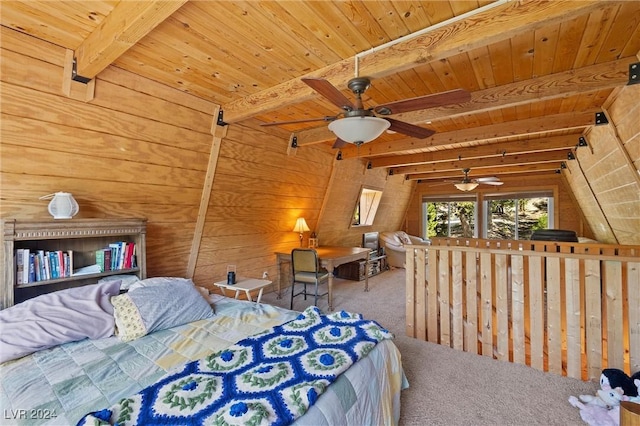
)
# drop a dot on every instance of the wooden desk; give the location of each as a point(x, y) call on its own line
point(329, 258)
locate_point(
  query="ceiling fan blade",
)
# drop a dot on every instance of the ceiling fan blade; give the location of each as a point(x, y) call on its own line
point(339, 143)
point(457, 96)
point(304, 120)
point(487, 179)
point(409, 129)
point(498, 183)
point(330, 92)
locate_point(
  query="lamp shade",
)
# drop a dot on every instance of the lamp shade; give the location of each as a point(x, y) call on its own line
point(359, 129)
point(301, 226)
point(62, 205)
point(466, 186)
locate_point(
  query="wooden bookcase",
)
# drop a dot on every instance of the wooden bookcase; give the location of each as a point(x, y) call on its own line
point(82, 236)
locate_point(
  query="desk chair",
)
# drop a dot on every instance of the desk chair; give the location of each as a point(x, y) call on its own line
point(306, 270)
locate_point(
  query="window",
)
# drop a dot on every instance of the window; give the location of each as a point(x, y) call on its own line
point(516, 216)
point(366, 207)
point(510, 216)
point(449, 217)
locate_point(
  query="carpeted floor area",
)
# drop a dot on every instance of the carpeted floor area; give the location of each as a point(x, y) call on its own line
point(451, 387)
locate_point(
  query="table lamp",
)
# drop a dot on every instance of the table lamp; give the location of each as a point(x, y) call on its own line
point(301, 226)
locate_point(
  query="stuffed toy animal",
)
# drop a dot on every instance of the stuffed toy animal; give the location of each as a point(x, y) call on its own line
point(605, 398)
point(595, 415)
point(612, 378)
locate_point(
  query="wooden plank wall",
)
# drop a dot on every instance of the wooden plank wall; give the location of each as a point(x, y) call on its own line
point(567, 212)
point(341, 200)
point(557, 307)
point(141, 149)
point(138, 149)
point(258, 193)
point(606, 176)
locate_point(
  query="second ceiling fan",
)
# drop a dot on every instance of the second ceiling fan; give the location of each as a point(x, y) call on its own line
point(357, 124)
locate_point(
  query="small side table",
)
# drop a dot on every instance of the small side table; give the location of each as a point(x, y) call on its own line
point(244, 284)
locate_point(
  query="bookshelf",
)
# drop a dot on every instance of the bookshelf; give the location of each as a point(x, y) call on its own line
point(81, 237)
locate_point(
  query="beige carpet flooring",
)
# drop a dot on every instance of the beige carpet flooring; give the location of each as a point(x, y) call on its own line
point(451, 387)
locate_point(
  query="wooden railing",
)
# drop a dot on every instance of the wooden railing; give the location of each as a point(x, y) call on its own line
point(568, 308)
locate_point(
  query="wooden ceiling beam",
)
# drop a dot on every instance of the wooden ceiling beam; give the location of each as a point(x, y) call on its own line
point(478, 163)
point(560, 85)
point(575, 121)
point(128, 22)
point(593, 78)
point(490, 171)
point(480, 151)
point(499, 23)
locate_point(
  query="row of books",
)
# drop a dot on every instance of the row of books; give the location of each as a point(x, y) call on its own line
point(120, 255)
point(41, 265)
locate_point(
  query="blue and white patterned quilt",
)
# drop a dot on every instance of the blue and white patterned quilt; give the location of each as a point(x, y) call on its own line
point(269, 378)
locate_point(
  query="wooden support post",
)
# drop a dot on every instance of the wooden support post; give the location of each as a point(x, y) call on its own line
point(218, 132)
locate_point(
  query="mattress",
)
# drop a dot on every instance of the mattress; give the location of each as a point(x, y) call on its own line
point(61, 384)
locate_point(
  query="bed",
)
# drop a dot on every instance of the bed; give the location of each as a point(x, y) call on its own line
point(74, 381)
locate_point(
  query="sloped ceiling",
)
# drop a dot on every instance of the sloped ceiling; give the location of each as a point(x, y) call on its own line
point(538, 72)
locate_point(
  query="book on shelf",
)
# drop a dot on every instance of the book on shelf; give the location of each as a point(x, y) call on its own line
point(19, 266)
point(41, 265)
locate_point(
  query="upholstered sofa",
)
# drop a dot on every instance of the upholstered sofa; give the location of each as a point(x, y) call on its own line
point(393, 243)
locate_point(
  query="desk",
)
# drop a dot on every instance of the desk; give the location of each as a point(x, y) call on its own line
point(244, 284)
point(329, 258)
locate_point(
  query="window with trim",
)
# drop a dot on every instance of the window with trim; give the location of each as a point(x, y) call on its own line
point(449, 217)
point(366, 207)
point(516, 216)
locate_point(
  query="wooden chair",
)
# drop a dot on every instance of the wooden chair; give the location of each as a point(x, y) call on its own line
point(306, 270)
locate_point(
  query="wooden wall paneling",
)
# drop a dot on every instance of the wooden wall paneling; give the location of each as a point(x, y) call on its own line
point(257, 193)
point(31, 47)
point(349, 176)
point(126, 153)
point(586, 199)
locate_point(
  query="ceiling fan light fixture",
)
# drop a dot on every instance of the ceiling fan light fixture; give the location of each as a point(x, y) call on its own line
point(466, 186)
point(358, 130)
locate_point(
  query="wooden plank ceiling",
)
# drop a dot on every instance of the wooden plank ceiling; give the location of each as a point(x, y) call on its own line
point(538, 72)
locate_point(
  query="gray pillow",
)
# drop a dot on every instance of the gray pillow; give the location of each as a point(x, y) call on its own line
point(158, 307)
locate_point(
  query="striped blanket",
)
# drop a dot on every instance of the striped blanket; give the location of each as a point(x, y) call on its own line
point(270, 378)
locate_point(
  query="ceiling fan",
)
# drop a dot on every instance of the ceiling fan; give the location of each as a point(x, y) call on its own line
point(357, 124)
point(468, 184)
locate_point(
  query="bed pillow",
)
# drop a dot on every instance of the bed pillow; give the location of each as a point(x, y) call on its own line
point(55, 318)
point(157, 307)
point(125, 280)
point(148, 282)
point(404, 238)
